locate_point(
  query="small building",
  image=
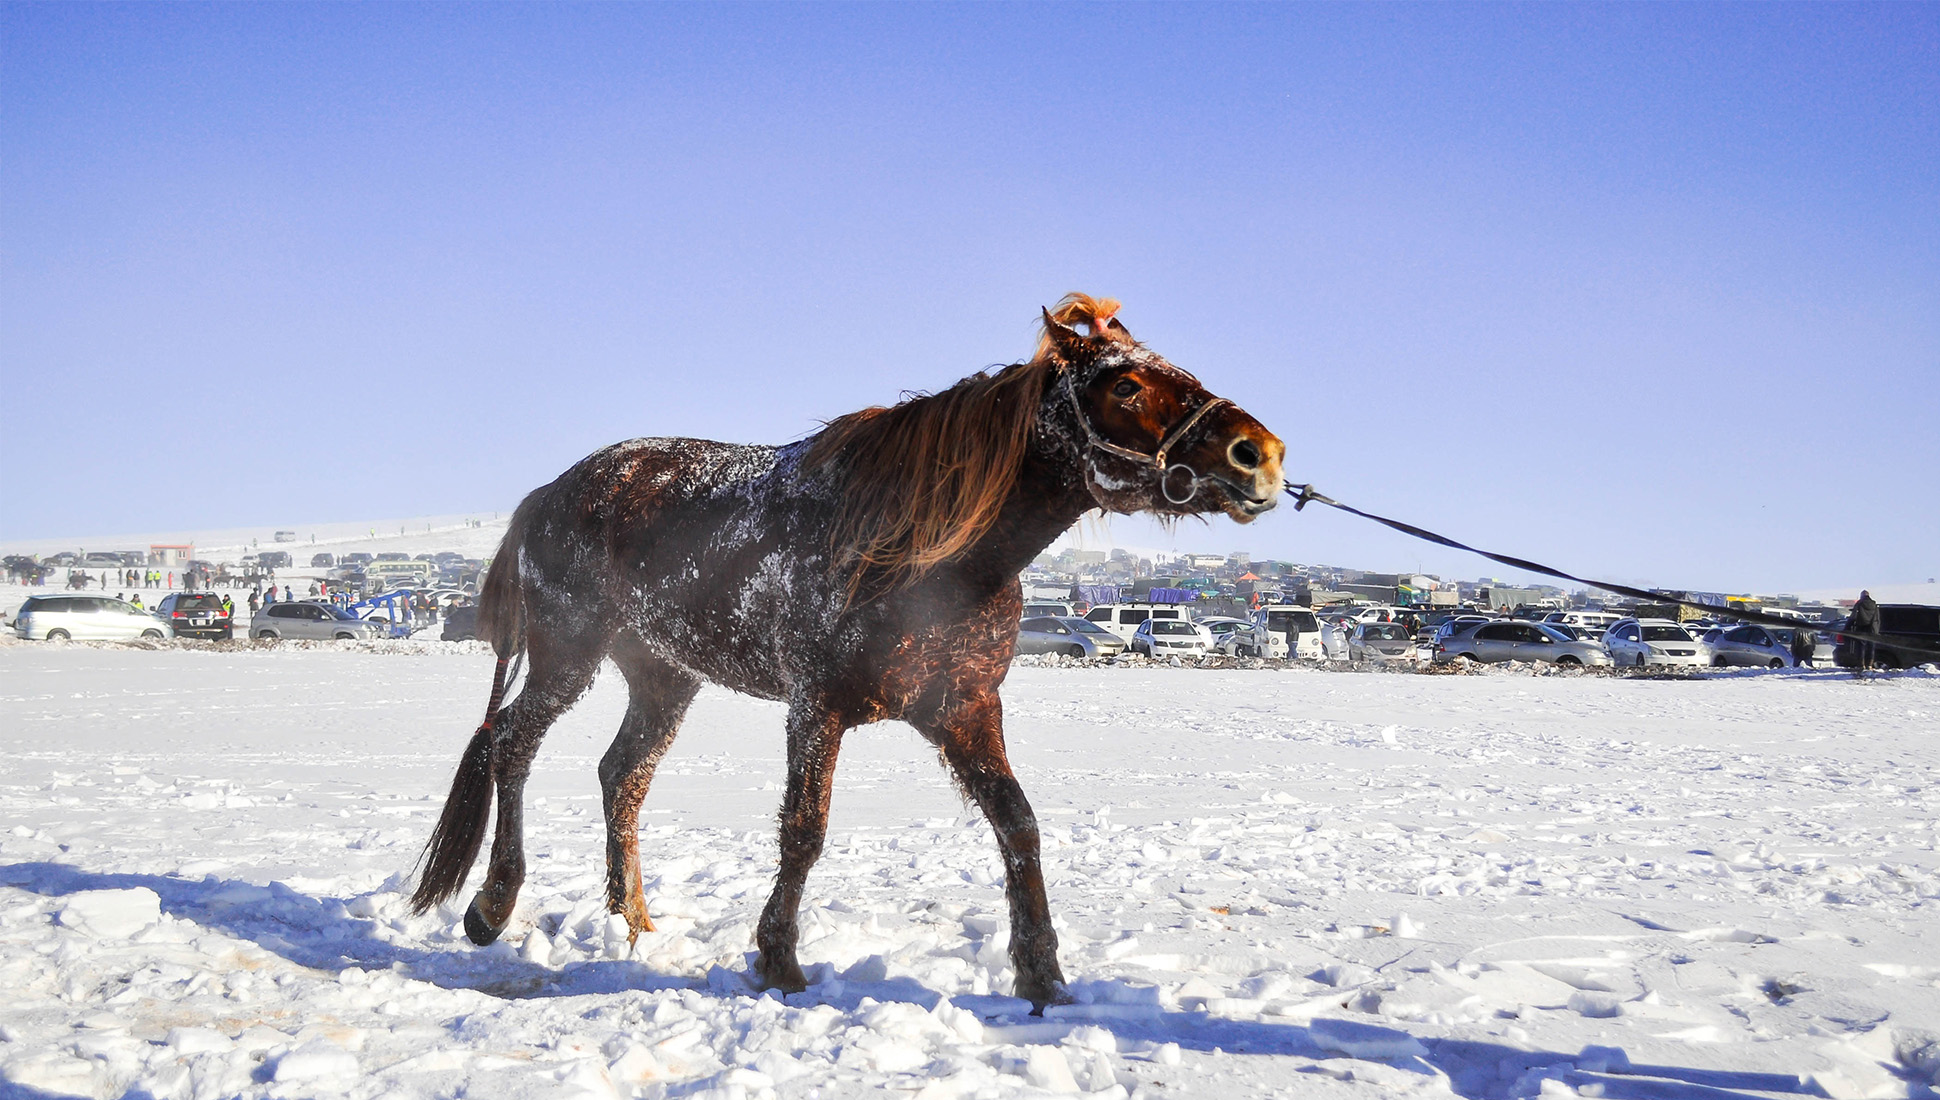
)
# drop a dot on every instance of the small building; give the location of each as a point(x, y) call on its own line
point(170, 556)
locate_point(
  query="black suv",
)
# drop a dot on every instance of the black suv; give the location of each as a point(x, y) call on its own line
point(461, 624)
point(1914, 622)
point(196, 615)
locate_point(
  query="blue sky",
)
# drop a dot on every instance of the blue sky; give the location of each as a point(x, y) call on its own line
point(1648, 291)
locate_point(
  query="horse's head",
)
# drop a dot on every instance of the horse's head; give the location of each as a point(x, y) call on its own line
point(1149, 436)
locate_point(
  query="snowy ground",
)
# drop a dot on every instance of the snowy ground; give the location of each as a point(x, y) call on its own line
point(1270, 883)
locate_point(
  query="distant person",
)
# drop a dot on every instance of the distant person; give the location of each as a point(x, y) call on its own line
point(313, 589)
point(255, 600)
point(1803, 643)
point(270, 596)
point(136, 601)
point(228, 606)
point(1864, 619)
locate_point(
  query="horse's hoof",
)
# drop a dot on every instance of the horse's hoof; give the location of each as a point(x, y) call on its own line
point(786, 977)
point(1043, 995)
point(476, 929)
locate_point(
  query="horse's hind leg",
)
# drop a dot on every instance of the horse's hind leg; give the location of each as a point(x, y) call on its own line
point(971, 736)
point(658, 697)
point(814, 738)
point(560, 673)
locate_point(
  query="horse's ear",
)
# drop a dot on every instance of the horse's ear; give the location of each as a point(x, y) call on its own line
point(1068, 344)
point(1116, 327)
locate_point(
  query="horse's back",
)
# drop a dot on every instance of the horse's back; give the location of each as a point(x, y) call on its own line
point(564, 538)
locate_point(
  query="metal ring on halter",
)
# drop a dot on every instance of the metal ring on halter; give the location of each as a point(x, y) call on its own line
point(1192, 487)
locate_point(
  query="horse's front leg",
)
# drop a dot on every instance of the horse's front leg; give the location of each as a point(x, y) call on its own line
point(971, 735)
point(814, 739)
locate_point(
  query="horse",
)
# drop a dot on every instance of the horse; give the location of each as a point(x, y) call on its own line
point(864, 573)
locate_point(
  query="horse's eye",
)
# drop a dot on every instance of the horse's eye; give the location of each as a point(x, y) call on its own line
point(1125, 388)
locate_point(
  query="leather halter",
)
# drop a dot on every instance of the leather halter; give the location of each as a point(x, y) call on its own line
point(1156, 459)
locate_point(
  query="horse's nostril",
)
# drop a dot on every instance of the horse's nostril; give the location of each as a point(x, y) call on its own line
point(1244, 453)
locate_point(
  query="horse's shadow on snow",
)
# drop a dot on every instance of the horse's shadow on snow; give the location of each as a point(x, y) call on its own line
point(319, 933)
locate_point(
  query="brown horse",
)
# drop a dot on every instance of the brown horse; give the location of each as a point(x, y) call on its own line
point(866, 573)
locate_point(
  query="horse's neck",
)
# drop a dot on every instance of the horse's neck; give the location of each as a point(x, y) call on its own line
point(1047, 499)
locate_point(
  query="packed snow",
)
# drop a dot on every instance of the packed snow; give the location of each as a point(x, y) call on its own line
point(1270, 882)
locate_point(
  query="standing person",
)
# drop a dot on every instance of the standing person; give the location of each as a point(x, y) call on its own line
point(269, 597)
point(1803, 643)
point(1865, 618)
point(228, 606)
point(255, 601)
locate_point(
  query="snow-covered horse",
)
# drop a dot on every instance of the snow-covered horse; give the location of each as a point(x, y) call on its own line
point(868, 572)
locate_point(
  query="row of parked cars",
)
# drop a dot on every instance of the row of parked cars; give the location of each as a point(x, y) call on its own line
point(66, 617)
point(1579, 638)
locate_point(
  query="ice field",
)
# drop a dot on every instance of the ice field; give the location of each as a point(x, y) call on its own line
point(1304, 882)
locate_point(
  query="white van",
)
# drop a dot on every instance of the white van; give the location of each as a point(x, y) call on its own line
point(86, 618)
point(1278, 622)
point(1122, 619)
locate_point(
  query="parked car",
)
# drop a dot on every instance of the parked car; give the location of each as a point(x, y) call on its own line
point(1379, 641)
point(357, 558)
point(309, 619)
point(1641, 642)
point(85, 618)
point(461, 624)
point(1917, 623)
point(1748, 646)
point(1038, 608)
point(448, 557)
point(274, 559)
point(1519, 640)
point(322, 561)
point(1235, 637)
point(1278, 623)
point(1457, 625)
point(196, 615)
point(393, 555)
point(1589, 624)
point(1163, 637)
point(1068, 635)
point(1124, 619)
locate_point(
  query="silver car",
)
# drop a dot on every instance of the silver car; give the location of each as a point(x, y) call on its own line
point(1516, 640)
point(86, 618)
point(1236, 637)
point(1748, 646)
point(1073, 637)
point(1379, 641)
point(312, 620)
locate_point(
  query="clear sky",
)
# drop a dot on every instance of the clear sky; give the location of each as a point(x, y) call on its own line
point(1648, 291)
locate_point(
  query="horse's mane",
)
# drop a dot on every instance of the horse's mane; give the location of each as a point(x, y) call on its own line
point(925, 478)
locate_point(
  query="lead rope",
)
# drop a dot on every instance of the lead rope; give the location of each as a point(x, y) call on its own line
point(1307, 494)
point(500, 680)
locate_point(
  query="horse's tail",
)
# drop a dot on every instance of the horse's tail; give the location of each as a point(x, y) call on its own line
point(454, 844)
